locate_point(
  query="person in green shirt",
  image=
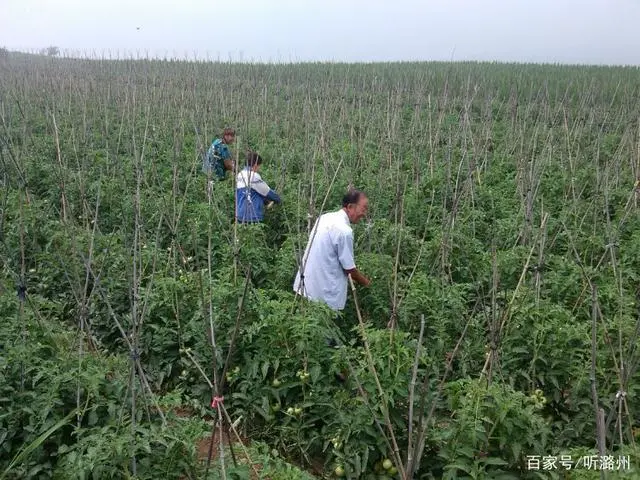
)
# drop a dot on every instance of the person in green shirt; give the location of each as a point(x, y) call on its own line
point(218, 157)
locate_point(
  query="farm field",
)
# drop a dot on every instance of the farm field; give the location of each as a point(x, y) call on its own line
point(499, 337)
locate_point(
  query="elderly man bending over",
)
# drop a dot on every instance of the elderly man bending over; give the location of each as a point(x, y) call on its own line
point(328, 258)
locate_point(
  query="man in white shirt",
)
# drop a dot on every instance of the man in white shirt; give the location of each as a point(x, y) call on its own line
point(328, 258)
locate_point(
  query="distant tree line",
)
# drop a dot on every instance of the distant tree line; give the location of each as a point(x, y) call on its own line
point(51, 51)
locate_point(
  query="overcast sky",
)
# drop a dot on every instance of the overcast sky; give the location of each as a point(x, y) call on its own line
point(562, 31)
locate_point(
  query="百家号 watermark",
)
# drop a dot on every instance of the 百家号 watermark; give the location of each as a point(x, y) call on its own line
point(587, 462)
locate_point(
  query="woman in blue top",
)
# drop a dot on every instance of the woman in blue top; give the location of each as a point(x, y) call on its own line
point(252, 192)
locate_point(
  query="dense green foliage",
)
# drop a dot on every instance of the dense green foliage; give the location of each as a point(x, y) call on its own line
point(503, 212)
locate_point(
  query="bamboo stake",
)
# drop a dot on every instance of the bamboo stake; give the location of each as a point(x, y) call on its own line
point(383, 398)
point(412, 386)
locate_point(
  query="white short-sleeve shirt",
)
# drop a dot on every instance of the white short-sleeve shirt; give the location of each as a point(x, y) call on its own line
point(328, 254)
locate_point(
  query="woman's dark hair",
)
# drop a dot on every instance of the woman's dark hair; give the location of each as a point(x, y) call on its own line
point(253, 159)
point(352, 196)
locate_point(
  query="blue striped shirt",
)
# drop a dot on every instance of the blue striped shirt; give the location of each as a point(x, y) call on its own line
point(251, 194)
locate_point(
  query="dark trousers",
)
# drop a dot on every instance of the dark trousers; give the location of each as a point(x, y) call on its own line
point(331, 341)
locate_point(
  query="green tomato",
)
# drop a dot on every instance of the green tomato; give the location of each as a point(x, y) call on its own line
point(275, 407)
point(387, 464)
point(392, 471)
point(339, 471)
point(275, 383)
point(297, 410)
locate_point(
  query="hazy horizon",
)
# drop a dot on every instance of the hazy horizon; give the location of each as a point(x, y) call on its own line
point(594, 32)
